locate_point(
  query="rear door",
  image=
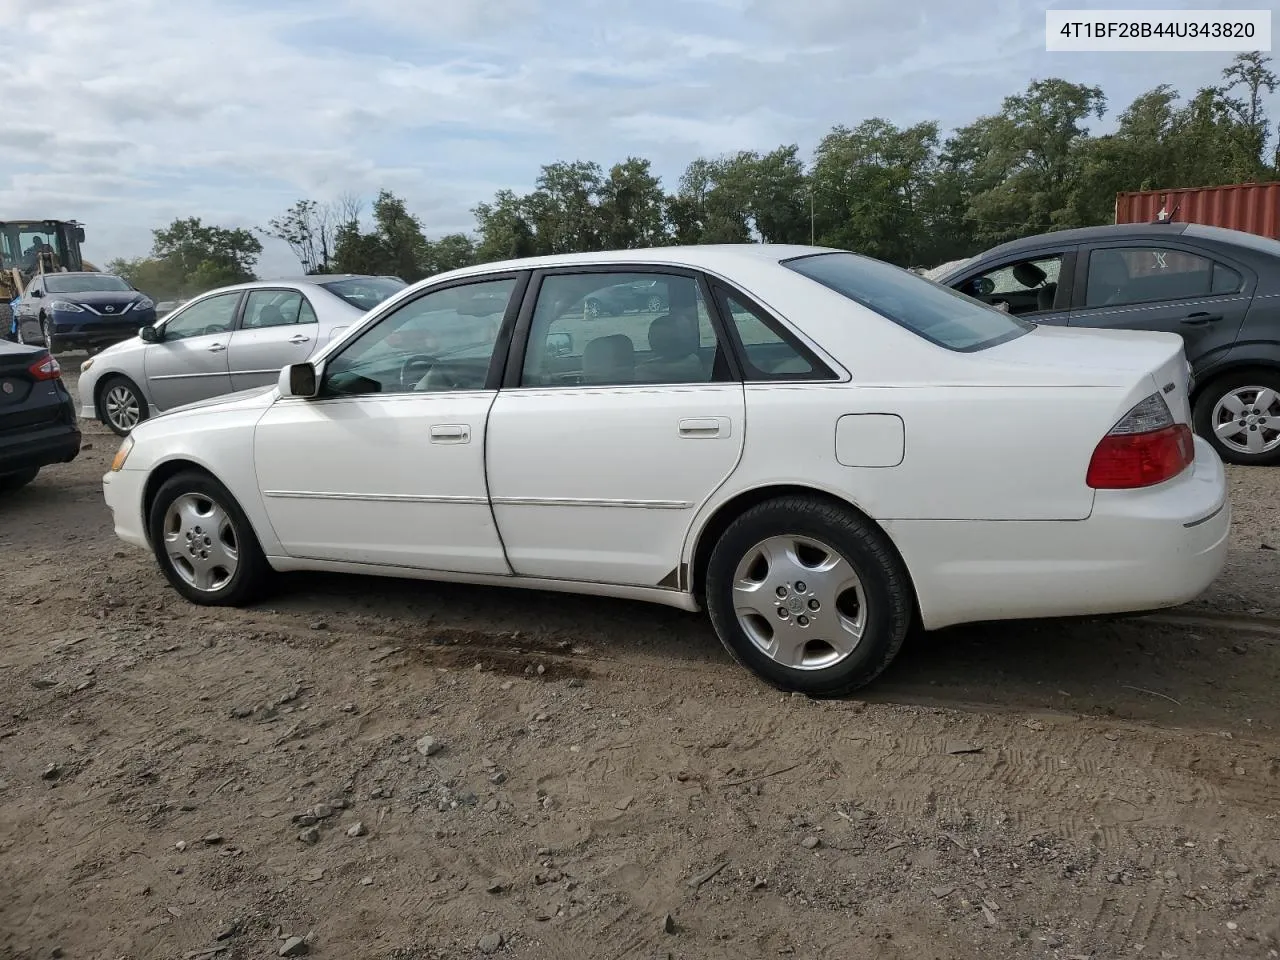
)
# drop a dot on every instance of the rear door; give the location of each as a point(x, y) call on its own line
point(1036, 286)
point(1166, 286)
point(190, 361)
point(278, 326)
point(611, 432)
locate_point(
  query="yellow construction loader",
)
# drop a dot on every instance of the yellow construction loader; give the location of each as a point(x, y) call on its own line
point(29, 248)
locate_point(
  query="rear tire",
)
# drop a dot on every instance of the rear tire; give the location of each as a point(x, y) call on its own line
point(120, 404)
point(1224, 415)
point(12, 481)
point(204, 543)
point(809, 595)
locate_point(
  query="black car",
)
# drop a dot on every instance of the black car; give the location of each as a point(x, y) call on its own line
point(88, 311)
point(38, 424)
point(1219, 289)
point(640, 295)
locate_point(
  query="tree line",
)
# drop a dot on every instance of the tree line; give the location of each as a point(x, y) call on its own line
point(907, 195)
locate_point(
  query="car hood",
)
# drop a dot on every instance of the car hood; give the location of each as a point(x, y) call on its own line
point(97, 298)
point(240, 400)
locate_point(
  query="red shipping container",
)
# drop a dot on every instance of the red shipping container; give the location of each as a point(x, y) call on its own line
point(1251, 207)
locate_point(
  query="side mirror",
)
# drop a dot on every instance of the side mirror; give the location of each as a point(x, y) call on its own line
point(982, 286)
point(299, 380)
point(149, 334)
point(80, 234)
point(36, 294)
point(559, 344)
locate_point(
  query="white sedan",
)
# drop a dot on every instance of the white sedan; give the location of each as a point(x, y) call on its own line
point(819, 448)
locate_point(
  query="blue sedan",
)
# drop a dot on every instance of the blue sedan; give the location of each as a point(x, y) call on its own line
point(86, 311)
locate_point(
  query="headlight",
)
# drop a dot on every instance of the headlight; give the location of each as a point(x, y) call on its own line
point(65, 306)
point(84, 367)
point(122, 454)
point(145, 303)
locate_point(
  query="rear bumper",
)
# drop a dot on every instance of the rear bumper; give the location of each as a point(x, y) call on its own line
point(1138, 550)
point(58, 443)
point(122, 490)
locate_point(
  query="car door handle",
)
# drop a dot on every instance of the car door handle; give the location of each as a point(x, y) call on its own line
point(299, 338)
point(705, 428)
point(450, 433)
point(1200, 319)
point(216, 348)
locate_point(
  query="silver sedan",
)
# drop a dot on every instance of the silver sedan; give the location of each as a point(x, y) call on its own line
point(229, 339)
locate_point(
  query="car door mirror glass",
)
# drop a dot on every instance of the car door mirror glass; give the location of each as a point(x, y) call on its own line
point(559, 344)
point(149, 334)
point(981, 287)
point(299, 380)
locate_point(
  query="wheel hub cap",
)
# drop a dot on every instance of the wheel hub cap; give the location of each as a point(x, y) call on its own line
point(200, 542)
point(1247, 420)
point(800, 602)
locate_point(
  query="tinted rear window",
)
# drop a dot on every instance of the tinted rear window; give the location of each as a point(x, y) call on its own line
point(937, 313)
point(365, 292)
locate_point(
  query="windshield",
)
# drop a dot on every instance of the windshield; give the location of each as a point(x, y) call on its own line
point(365, 292)
point(928, 309)
point(95, 283)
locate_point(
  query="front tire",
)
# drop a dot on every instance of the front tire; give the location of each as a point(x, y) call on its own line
point(809, 595)
point(121, 405)
point(204, 542)
point(1239, 414)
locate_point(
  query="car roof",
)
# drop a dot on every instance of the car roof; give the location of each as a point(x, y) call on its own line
point(321, 278)
point(706, 257)
point(1108, 231)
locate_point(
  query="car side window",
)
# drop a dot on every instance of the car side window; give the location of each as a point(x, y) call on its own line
point(442, 341)
point(768, 352)
point(1226, 280)
point(1026, 286)
point(276, 308)
point(612, 329)
point(211, 315)
point(1119, 276)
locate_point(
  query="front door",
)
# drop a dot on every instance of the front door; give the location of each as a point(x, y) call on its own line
point(1036, 286)
point(190, 361)
point(387, 464)
point(1151, 285)
point(279, 327)
point(612, 431)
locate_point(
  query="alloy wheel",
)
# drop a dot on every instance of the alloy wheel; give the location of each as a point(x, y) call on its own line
point(799, 602)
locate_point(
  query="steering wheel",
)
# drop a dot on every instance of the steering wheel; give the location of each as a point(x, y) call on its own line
point(409, 370)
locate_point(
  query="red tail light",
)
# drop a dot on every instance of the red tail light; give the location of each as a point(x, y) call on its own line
point(45, 368)
point(1145, 448)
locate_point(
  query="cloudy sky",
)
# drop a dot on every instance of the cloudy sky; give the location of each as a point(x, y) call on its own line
point(127, 113)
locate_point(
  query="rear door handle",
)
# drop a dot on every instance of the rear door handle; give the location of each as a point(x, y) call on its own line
point(216, 348)
point(705, 428)
point(1200, 319)
point(450, 433)
point(299, 338)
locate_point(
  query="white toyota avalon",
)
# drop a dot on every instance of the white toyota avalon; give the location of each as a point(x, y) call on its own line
point(818, 448)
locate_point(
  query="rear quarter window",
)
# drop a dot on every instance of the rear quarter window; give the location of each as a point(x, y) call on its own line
point(939, 314)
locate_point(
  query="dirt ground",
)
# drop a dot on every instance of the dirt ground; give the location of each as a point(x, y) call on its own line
point(603, 782)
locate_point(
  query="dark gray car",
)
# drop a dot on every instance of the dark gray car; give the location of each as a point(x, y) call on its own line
point(1218, 289)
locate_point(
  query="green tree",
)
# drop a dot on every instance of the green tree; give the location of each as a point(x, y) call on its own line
point(504, 228)
point(871, 189)
point(307, 227)
point(631, 207)
point(206, 255)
